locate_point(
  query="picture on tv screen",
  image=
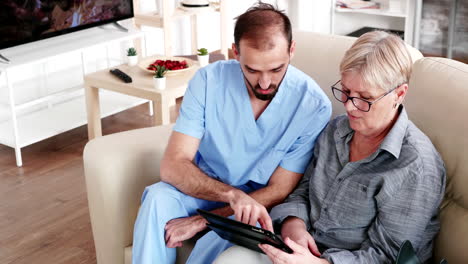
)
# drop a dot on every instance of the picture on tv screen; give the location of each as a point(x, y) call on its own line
point(23, 21)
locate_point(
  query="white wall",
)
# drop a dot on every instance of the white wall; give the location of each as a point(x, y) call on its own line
point(310, 15)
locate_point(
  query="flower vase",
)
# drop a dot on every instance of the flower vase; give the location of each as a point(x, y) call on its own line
point(159, 83)
point(132, 60)
point(203, 60)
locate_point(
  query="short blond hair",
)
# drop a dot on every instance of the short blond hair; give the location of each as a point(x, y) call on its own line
point(381, 59)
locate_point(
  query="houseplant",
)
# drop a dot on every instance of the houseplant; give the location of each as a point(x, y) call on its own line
point(203, 57)
point(132, 57)
point(159, 80)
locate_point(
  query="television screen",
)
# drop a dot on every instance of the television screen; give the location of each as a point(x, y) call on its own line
point(23, 21)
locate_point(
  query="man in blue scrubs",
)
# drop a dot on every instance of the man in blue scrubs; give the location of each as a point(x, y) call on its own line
point(244, 136)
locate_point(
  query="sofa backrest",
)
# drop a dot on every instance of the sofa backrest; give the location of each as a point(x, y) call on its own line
point(436, 102)
point(319, 56)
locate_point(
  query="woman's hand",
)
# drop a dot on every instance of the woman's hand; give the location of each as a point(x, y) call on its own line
point(299, 256)
point(295, 229)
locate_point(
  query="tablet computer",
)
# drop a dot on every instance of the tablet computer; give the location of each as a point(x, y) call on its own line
point(243, 234)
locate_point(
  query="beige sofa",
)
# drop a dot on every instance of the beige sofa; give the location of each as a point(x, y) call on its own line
point(119, 166)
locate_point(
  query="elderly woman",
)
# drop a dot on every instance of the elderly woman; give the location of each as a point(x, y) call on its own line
point(375, 180)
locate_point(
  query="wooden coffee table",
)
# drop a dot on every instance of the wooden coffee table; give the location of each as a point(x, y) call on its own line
point(142, 87)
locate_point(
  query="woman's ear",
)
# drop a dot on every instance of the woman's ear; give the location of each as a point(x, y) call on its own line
point(401, 93)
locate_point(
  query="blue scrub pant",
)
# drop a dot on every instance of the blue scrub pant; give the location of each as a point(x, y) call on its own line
point(162, 202)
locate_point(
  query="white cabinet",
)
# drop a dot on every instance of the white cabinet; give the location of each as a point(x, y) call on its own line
point(405, 18)
point(51, 100)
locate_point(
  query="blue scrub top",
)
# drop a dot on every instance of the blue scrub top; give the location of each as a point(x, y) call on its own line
point(234, 147)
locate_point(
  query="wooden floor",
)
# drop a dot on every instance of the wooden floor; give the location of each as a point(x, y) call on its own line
point(44, 214)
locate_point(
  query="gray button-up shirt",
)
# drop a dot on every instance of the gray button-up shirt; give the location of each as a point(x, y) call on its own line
point(361, 212)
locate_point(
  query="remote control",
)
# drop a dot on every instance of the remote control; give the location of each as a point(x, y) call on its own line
point(121, 75)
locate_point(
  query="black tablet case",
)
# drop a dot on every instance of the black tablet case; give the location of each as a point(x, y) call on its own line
point(243, 234)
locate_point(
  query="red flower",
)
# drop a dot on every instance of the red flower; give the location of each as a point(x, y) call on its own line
point(171, 65)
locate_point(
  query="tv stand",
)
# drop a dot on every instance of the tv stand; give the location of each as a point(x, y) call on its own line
point(117, 26)
point(4, 59)
point(58, 104)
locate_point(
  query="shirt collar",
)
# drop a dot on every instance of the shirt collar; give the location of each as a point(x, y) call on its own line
point(343, 127)
point(392, 143)
point(394, 139)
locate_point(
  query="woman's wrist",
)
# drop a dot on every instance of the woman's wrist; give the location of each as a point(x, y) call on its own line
point(292, 224)
point(294, 221)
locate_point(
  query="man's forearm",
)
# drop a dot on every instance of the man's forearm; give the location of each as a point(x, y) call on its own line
point(268, 196)
point(197, 184)
point(189, 179)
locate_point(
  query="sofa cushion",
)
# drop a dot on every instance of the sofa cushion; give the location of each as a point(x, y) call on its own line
point(437, 104)
point(182, 253)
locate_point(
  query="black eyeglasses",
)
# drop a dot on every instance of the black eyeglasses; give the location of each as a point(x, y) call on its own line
point(359, 103)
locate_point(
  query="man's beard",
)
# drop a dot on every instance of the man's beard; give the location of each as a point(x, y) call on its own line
point(264, 97)
point(273, 88)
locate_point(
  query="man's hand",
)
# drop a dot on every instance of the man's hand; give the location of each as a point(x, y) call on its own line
point(296, 230)
point(300, 255)
point(181, 229)
point(249, 211)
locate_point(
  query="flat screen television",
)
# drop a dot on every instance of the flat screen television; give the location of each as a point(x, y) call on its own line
point(23, 21)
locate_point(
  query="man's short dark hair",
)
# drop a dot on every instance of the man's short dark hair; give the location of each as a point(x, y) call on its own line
point(259, 23)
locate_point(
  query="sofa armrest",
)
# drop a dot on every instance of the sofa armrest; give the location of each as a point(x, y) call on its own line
point(117, 169)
